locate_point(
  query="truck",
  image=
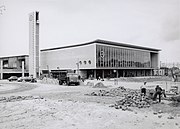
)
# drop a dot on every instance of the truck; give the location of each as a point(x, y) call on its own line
point(67, 77)
point(72, 78)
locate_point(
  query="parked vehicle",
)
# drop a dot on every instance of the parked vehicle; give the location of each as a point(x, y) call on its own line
point(72, 78)
point(27, 79)
point(13, 78)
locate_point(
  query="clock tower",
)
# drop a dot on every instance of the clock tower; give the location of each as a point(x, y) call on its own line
point(34, 44)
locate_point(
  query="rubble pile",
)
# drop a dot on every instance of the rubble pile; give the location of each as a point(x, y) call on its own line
point(175, 98)
point(133, 100)
point(18, 98)
point(130, 98)
point(99, 85)
point(120, 91)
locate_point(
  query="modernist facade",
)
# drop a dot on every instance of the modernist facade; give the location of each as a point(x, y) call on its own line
point(34, 44)
point(101, 58)
point(14, 66)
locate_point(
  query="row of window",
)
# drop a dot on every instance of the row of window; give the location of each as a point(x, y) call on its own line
point(120, 57)
point(85, 62)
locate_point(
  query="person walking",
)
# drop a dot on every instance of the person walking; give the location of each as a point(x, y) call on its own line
point(143, 89)
point(158, 92)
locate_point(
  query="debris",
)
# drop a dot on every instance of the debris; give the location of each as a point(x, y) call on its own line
point(124, 108)
point(99, 85)
point(18, 98)
point(170, 117)
point(160, 111)
point(120, 91)
point(176, 98)
point(155, 113)
point(159, 116)
point(90, 84)
point(134, 100)
point(130, 97)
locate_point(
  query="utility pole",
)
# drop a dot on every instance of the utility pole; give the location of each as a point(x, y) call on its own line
point(1, 69)
point(77, 67)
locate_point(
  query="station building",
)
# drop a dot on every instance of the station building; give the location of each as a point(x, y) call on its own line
point(101, 58)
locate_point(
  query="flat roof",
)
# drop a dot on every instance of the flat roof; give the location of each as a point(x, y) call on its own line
point(14, 56)
point(105, 42)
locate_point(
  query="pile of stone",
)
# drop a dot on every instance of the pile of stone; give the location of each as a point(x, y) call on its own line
point(120, 91)
point(133, 100)
point(18, 98)
point(129, 98)
point(99, 85)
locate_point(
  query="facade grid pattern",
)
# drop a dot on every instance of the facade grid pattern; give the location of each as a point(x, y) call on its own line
point(113, 57)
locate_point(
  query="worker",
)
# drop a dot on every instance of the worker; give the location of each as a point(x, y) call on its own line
point(158, 92)
point(143, 89)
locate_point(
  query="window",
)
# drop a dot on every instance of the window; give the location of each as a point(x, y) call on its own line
point(89, 61)
point(5, 63)
point(84, 62)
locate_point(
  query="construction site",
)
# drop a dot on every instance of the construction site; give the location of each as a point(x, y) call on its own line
point(94, 104)
point(97, 84)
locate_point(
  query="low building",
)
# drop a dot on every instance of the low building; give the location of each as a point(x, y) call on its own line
point(13, 66)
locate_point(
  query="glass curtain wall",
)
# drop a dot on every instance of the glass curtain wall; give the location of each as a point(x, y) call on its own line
point(113, 57)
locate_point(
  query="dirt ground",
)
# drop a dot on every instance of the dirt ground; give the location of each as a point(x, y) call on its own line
point(47, 106)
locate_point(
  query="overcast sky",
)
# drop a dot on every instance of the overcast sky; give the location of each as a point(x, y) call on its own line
point(149, 23)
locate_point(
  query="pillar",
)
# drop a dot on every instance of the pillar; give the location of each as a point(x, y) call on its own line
point(123, 73)
point(22, 68)
point(1, 69)
point(95, 73)
point(117, 73)
point(103, 73)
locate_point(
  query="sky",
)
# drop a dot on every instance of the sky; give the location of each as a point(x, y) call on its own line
point(148, 23)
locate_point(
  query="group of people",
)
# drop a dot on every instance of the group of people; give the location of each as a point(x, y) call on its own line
point(158, 92)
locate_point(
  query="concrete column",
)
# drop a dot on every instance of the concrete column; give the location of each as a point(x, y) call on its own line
point(95, 73)
point(102, 73)
point(1, 69)
point(117, 73)
point(123, 73)
point(151, 72)
point(22, 68)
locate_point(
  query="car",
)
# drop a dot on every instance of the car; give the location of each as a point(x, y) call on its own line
point(27, 79)
point(13, 78)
